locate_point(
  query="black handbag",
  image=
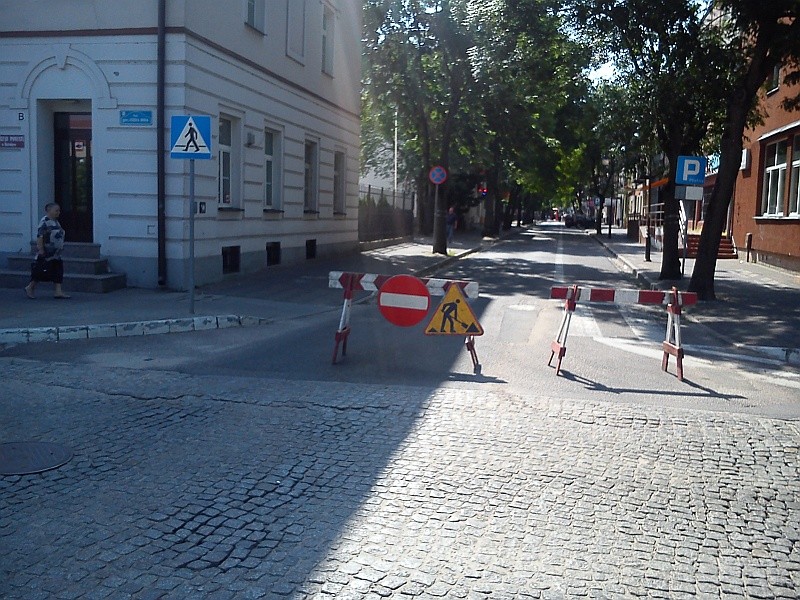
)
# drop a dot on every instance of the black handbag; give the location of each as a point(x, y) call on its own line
point(40, 269)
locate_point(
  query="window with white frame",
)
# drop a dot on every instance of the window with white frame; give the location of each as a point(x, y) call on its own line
point(255, 14)
point(228, 158)
point(774, 82)
point(774, 179)
point(310, 179)
point(339, 183)
point(327, 39)
point(272, 169)
point(296, 29)
point(794, 192)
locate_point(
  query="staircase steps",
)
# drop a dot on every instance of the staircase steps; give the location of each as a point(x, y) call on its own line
point(727, 249)
point(85, 270)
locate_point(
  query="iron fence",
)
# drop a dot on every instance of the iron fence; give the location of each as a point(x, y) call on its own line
point(384, 214)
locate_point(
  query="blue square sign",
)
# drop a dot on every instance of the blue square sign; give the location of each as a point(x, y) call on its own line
point(190, 137)
point(691, 170)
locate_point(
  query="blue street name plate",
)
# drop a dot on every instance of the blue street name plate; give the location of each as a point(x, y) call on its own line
point(136, 117)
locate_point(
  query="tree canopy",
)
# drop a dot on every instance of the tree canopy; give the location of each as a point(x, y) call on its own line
point(499, 90)
point(494, 89)
point(692, 70)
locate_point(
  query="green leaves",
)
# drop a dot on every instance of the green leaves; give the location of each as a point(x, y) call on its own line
point(494, 85)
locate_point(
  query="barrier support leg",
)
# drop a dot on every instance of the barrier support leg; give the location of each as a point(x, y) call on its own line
point(344, 322)
point(469, 342)
point(559, 346)
point(672, 343)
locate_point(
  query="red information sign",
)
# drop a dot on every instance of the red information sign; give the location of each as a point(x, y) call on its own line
point(12, 141)
point(404, 300)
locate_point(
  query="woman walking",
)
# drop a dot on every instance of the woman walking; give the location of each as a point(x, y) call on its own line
point(49, 244)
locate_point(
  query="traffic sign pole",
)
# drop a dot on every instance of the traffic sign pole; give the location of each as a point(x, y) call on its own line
point(191, 236)
point(438, 175)
point(187, 131)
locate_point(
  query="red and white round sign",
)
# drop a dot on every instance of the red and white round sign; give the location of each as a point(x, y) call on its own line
point(437, 175)
point(404, 300)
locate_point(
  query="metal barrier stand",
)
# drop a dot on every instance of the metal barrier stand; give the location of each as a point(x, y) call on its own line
point(672, 343)
point(560, 344)
point(348, 281)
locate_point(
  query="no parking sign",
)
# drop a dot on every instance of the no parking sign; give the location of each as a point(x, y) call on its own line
point(437, 175)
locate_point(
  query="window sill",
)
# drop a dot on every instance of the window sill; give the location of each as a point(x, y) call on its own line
point(254, 29)
point(272, 214)
point(340, 215)
point(230, 213)
point(773, 218)
point(310, 214)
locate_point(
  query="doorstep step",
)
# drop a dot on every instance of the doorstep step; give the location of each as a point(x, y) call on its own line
point(75, 250)
point(97, 284)
point(72, 265)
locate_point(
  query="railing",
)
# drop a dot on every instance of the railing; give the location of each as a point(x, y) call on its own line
point(655, 226)
point(384, 214)
point(684, 226)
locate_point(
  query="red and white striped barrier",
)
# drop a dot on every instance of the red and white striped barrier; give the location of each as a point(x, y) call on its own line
point(356, 282)
point(372, 283)
point(624, 296)
point(673, 299)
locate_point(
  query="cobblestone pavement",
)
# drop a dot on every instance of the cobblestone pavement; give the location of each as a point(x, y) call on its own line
point(204, 487)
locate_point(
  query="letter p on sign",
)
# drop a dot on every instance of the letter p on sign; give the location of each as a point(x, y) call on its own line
point(691, 170)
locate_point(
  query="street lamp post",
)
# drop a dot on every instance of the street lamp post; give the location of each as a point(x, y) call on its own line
point(647, 220)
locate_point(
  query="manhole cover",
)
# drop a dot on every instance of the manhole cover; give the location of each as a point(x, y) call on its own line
point(25, 458)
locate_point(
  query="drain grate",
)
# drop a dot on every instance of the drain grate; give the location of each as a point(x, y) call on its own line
point(27, 458)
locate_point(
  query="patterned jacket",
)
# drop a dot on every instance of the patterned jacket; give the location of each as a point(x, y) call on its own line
point(53, 237)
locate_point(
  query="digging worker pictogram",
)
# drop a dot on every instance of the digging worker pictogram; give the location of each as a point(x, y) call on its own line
point(450, 316)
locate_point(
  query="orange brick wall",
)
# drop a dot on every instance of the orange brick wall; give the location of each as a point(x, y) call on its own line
point(774, 240)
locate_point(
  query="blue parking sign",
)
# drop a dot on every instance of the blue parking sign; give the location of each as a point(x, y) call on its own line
point(691, 170)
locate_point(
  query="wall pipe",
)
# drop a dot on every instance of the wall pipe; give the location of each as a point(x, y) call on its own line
point(160, 143)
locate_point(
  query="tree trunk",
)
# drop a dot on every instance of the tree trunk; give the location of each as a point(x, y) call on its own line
point(425, 205)
point(439, 221)
point(705, 266)
point(739, 105)
point(494, 209)
point(670, 258)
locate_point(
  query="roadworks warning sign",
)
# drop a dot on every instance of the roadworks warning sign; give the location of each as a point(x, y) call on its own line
point(454, 316)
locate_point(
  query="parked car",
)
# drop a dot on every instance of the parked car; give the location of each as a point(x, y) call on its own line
point(579, 220)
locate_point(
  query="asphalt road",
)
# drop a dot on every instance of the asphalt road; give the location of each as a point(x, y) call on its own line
point(241, 463)
point(614, 351)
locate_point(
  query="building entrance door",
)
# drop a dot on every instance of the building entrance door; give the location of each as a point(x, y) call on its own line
point(73, 174)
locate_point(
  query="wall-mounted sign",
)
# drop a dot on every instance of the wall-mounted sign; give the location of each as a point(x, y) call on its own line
point(136, 117)
point(12, 141)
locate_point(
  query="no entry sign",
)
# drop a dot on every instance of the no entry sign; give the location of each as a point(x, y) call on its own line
point(404, 300)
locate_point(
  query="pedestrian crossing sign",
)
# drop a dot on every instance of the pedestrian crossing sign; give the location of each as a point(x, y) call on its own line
point(454, 315)
point(190, 137)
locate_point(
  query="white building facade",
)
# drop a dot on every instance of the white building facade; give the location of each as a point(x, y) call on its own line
point(87, 93)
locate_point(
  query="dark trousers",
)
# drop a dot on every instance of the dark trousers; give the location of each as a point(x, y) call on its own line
point(48, 270)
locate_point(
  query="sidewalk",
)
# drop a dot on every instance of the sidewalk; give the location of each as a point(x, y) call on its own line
point(757, 306)
point(279, 292)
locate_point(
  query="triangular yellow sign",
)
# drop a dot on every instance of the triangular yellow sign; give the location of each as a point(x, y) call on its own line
point(454, 316)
